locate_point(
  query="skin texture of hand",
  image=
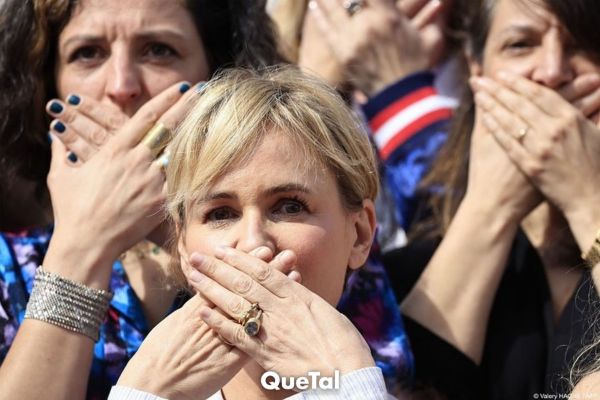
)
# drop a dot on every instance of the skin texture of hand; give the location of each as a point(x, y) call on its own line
point(182, 358)
point(297, 325)
point(494, 181)
point(106, 205)
point(559, 151)
point(88, 124)
point(376, 46)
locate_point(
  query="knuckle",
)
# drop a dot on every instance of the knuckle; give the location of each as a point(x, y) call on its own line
point(236, 307)
point(534, 169)
point(263, 273)
point(239, 335)
point(150, 116)
point(98, 136)
point(243, 285)
point(210, 268)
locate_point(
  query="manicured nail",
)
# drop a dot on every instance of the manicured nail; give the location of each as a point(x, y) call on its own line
point(285, 256)
point(49, 138)
point(196, 276)
point(184, 87)
point(55, 107)
point(74, 100)
point(59, 127)
point(72, 157)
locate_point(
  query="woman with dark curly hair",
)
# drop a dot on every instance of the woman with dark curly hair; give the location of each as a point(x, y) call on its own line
point(105, 72)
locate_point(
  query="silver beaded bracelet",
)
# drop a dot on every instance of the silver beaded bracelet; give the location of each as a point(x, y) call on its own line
point(67, 304)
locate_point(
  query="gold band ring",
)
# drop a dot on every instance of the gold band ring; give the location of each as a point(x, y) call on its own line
point(250, 320)
point(157, 138)
point(522, 133)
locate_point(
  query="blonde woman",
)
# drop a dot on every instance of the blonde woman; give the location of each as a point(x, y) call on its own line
point(270, 175)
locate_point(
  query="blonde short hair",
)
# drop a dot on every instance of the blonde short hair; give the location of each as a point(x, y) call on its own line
point(237, 109)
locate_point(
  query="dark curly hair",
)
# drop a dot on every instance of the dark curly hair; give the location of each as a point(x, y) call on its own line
point(234, 33)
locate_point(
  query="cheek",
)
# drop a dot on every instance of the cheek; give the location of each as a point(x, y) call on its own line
point(322, 262)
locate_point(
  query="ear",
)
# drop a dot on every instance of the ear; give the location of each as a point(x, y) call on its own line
point(186, 268)
point(365, 223)
point(475, 68)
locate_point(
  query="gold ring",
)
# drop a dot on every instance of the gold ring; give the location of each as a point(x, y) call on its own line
point(250, 320)
point(222, 339)
point(353, 6)
point(157, 138)
point(522, 133)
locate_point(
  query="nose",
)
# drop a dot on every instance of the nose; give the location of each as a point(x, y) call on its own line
point(124, 84)
point(252, 232)
point(553, 67)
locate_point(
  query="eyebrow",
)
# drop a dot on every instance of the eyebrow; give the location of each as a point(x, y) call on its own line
point(285, 188)
point(144, 35)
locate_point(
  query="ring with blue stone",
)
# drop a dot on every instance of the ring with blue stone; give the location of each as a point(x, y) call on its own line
point(251, 320)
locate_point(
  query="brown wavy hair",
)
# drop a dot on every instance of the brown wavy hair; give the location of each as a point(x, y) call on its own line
point(234, 33)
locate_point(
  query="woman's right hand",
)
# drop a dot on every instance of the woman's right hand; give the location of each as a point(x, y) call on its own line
point(182, 358)
point(495, 183)
point(107, 204)
point(300, 331)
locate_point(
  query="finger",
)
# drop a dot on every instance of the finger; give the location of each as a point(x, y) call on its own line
point(59, 154)
point(513, 148)
point(508, 122)
point(410, 8)
point(518, 110)
point(427, 14)
point(107, 116)
point(72, 140)
point(272, 276)
point(233, 304)
point(233, 332)
point(91, 131)
point(546, 99)
point(588, 105)
point(334, 12)
point(579, 87)
point(134, 130)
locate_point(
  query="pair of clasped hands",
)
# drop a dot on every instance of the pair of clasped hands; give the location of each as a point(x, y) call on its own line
point(112, 198)
point(532, 143)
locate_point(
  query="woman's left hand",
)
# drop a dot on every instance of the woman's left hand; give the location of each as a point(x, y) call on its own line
point(551, 141)
point(183, 358)
point(300, 331)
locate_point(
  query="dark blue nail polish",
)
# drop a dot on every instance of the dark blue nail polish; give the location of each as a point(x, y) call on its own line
point(72, 157)
point(56, 107)
point(59, 127)
point(184, 87)
point(49, 138)
point(74, 100)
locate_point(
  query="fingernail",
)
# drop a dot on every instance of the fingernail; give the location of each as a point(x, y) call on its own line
point(74, 100)
point(220, 251)
point(285, 256)
point(196, 276)
point(197, 258)
point(199, 87)
point(55, 107)
point(312, 5)
point(205, 313)
point(262, 252)
point(295, 276)
point(72, 157)
point(59, 127)
point(49, 138)
point(184, 87)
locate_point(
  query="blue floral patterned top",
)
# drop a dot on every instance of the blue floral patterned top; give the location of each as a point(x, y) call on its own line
point(368, 301)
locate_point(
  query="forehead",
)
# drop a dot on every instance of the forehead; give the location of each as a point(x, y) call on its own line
point(509, 14)
point(129, 14)
point(276, 159)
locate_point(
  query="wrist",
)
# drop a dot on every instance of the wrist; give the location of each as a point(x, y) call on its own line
point(584, 222)
point(495, 215)
point(85, 262)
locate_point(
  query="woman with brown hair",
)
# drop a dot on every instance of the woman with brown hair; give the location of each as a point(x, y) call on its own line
point(498, 297)
point(105, 72)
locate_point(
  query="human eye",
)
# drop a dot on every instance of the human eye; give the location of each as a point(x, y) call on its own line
point(87, 54)
point(219, 215)
point(291, 207)
point(158, 50)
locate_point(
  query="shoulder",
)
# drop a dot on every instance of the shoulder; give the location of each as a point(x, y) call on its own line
point(587, 388)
